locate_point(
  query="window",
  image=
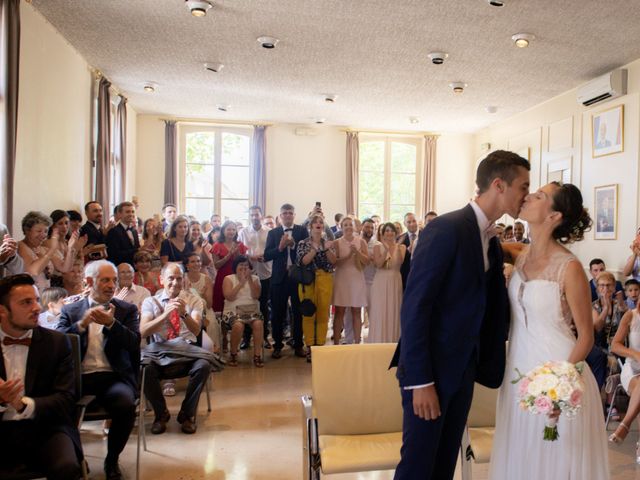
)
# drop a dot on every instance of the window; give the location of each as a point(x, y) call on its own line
point(389, 169)
point(215, 171)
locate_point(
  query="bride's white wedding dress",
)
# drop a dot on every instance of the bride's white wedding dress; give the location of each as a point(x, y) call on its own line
point(541, 330)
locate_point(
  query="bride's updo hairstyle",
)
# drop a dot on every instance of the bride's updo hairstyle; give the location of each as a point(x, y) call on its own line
point(575, 219)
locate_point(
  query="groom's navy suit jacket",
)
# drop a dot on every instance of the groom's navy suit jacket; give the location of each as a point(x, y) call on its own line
point(452, 310)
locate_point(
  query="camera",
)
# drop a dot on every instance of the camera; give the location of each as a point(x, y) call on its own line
point(438, 58)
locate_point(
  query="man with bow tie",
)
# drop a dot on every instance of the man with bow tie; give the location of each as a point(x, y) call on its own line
point(37, 388)
point(110, 347)
point(122, 240)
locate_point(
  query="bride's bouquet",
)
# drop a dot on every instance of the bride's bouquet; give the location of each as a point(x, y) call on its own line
point(552, 388)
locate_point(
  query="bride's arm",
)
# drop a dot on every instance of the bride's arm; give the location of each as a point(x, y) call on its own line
point(576, 287)
point(617, 344)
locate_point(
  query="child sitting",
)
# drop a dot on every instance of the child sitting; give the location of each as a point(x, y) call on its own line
point(632, 291)
point(51, 301)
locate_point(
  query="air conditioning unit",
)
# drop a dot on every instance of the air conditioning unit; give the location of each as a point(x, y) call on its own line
point(611, 85)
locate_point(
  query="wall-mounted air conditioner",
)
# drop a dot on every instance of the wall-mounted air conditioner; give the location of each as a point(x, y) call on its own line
point(606, 87)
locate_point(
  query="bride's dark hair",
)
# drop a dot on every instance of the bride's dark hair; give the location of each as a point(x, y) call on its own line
point(575, 219)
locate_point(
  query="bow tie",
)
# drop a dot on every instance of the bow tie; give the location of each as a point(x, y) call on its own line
point(17, 341)
point(288, 229)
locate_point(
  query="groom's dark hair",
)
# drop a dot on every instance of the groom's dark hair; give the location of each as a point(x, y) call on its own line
point(499, 164)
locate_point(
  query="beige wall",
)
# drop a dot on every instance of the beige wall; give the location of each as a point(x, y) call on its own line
point(304, 169)
point(559, 132)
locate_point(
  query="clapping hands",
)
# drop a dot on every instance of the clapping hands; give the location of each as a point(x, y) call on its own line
point(11, 392)
point(8, 248)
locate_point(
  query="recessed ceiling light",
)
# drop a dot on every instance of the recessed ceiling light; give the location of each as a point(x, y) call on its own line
point(150, 87)
point(496, 3)
point(522, 39)
point(213, 67)
point(268, 42)
point(319, 120)
point(414, 120)
point(458, 87)
point(330, 98)
point(198, 8)
point(223, 108)
point(491, 109)
point(438, 58)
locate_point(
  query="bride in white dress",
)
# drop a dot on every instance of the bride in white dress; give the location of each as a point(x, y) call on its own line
point(550, 320)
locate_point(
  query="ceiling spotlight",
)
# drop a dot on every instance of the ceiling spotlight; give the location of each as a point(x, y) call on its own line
point(491, 109)
point(496, 3)
point(522, 39)
point(268, 42)
point(414, 120)
point(330, 98)
point(438, 58)
point(223, 108)
point(198, 8)
point(458, 87)
point(319, 120)
point(213, 67)
point(150, 87)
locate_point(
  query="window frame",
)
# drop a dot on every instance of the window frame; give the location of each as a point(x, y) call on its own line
point(218, 130)
point(388, 140)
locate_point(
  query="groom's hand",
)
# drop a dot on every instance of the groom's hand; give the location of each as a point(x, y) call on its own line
point(425, 403)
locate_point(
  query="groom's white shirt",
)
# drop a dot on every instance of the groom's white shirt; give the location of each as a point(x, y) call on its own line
point(483, 225)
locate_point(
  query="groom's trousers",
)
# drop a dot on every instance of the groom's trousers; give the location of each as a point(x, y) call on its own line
point(430, 447)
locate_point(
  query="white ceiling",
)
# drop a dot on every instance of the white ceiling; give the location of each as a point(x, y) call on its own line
point(371, 53)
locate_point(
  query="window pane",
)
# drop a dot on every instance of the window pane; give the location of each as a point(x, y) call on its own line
point(371, 188)
point(235, 149)
point(235, 182)
point(372, 156)
point(366, 210)
point(236, 210)
point(200, 147)
point(396, 212)
point(403, 157)
point(199, 180)
point(201, 208)
point(403, 188)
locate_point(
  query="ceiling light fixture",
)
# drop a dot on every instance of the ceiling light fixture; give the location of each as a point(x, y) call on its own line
point(496, 3)
point(223, 108)
point(491, 109)
point(458, 87)
point(198, 8)
point(438, 58)
point(522, 40)
point(213, 67)
point(268, 42)
point(414, 120)
point(150, 87)
point(319, 120)
point(330, 98)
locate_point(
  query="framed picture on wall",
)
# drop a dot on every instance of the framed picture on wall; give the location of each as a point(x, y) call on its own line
point(607, 132)
point(606, 212)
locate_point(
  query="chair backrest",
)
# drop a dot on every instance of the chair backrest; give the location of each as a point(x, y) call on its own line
point(354, 392)
point(77, 362)
point(483, 407)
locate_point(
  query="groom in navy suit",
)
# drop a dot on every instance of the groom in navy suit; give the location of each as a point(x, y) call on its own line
point(454, 320)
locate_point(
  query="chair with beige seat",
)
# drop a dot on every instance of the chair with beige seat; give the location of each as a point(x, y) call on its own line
point(353, 420)
point(477, 439)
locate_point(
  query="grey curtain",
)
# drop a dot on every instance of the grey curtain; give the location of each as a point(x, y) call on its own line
point(258, 164)
point(429, 179)
point(170, 162)
point(103, 145)
point(9, 70)
point(353, 165)
point(120, 149)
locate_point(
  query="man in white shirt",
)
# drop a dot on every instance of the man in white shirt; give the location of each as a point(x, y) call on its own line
point(110, 348)
point(254, 237)
point(127, 290)
point(174, 313)
point(37, 388)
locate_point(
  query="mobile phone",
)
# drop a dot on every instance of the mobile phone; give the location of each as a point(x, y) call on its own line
point(318, 205)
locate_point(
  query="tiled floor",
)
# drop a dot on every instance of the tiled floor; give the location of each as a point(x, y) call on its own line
point(254, 433)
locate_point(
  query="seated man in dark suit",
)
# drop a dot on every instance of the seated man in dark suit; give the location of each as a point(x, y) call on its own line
point(110, 345)
point(122, 240)
point(37, 388)
point(174, 312)
point(408, 239)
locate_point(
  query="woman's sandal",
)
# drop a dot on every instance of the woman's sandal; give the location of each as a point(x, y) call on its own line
point(257, 361)
point(233, 360)
point(615, 438)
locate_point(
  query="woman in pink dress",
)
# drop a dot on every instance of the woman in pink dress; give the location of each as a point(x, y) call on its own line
point(224, 251)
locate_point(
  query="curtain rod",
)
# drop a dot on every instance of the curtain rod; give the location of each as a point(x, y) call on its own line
point(97, 74)
point(389, 132)
point(216, 122)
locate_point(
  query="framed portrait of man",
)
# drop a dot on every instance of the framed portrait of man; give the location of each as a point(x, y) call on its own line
point(607, 132)
point(606, 212)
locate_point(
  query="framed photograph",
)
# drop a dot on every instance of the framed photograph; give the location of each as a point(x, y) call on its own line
point(606, 212)
point(607, 132)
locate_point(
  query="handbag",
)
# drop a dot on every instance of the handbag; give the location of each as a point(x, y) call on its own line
point(303, 274)
point(307, 308)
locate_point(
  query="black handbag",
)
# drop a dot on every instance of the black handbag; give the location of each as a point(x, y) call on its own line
point(307, 308)
point(303, 274)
